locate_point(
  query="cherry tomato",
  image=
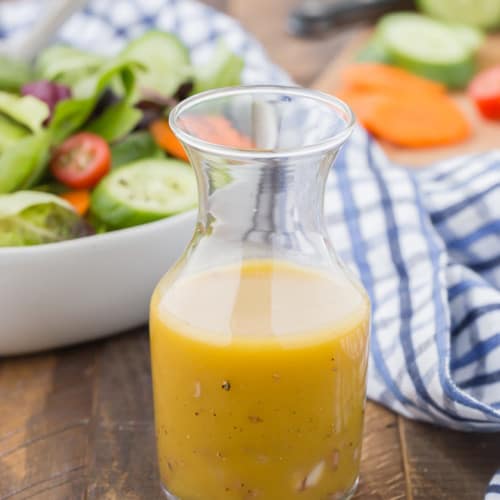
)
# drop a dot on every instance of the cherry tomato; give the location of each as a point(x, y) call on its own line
point(485, 92)
point(81, 161)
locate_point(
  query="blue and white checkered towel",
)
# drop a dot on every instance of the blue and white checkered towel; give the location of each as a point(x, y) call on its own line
point(426, 244)
point(493, 491)
point(427, 247)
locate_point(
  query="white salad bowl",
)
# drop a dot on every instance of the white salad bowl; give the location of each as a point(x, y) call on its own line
point(73, 291)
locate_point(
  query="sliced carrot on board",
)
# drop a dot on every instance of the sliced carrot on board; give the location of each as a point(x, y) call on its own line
point(166, 139)
point(421, 122)
point(402, 108)
point(364, 104)
point(80, 200)
point(382, 77)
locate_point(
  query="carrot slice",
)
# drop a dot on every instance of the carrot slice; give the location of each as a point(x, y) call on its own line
point(166, 139)
point(80, 200)
point(402, 108)
point(216, 129)
point(429, 120)
point(382, 77)
point(364, 104)
point(423, 120)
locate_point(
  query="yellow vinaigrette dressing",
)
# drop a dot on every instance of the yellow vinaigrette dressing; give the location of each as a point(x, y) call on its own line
point(259, 374)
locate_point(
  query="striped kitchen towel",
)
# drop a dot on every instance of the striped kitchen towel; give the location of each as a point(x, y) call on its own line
point(493, 490)
point(426, 244)
point(427, 247)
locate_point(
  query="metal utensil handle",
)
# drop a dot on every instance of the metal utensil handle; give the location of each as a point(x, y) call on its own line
point(314, 17)
point(56, 12)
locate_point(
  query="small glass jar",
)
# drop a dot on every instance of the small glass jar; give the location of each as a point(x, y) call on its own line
point(259, 334)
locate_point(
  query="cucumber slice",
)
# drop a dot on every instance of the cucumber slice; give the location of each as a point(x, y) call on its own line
point(427, 48)
point(470, 37)
point(454, 76)
point(165, 60)
point(144, 191)
point(374, 51)
point(479, 13)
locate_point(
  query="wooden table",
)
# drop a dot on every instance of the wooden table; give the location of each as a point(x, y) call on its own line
point(78, 423)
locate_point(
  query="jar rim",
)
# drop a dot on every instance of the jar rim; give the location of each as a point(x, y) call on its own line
point(333, 142)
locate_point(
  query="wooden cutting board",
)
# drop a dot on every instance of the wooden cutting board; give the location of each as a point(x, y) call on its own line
point(486, 134)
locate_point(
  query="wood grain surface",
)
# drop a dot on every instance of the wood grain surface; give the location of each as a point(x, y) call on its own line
point(77, 423)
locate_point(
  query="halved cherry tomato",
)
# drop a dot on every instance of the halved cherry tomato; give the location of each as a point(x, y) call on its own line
point(81, 161)
point(485, 92)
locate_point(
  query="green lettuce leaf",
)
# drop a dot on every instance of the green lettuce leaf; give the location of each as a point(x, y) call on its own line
point(52, 187)
point(23, 163)
point(33, 218)
point(67, 65)
point(222, 70)
point(10, 132)
point(28, 110)
point(165, 62)
point(135, 147)
point(71, 114)
point(14, 73)
point(97, 224)
point(116, 122)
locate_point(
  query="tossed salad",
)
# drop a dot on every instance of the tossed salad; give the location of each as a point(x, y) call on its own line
point(85, 145)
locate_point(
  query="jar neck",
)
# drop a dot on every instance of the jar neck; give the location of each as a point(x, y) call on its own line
point(259, 202)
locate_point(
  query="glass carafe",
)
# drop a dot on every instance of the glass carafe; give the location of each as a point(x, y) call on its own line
point(259, 335)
